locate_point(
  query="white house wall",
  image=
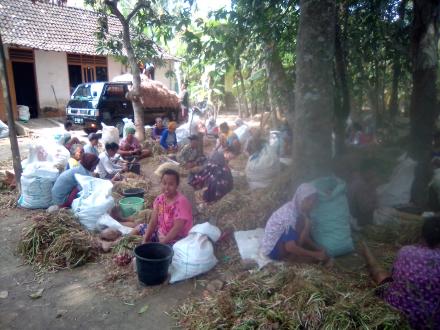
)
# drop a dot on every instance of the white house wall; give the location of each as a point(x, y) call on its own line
point(52, 79)
point(114, 68)
point(160, 74)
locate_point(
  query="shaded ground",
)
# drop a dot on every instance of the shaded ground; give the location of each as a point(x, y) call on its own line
point(73, 299)
point(100, 295)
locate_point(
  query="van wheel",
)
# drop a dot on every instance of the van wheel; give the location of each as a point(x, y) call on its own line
point(120, 126)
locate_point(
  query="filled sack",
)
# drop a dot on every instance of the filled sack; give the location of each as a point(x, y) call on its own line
point(331, 217)
point(95, 200)
point(398, 189)
point(4, 130)
point(262, 167)
point(36, 185)
point(109, 134)
point(40, 172)
point(194, 254)
point(128, 123)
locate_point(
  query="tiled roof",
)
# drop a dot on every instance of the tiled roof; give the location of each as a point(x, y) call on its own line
point(50, 27)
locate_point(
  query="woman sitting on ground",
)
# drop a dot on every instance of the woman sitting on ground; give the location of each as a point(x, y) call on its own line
point(158, 129)
point(215, 178)
point(168, 140)
point(287, 232)
point(66, 187)
point(67, 140)
point(172, 218)
point(190, 156)
point(130, 148)
point(228, 142)
point(413, 286)
point(76, 153)
point(108, 167)
point(92, 146)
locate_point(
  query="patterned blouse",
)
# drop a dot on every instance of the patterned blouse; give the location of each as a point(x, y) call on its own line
point(179, 209)
point(415, 286)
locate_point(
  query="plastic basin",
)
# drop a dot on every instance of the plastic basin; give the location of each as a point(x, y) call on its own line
point(152, 262)
point(134, 192)
point(131, 205)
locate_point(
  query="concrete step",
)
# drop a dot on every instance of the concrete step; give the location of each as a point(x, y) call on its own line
point(28, 128)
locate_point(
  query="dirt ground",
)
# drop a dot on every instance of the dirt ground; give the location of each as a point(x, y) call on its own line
point(92, 296)
point(101, 295)
point(73, 299)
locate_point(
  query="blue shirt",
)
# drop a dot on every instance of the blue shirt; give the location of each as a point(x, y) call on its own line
point(89, 149)
point(168, 139)
point(65, 183)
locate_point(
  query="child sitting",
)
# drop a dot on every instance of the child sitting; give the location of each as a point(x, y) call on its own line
point(172, 218)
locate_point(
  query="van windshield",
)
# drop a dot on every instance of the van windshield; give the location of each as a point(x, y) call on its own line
point(88, 92)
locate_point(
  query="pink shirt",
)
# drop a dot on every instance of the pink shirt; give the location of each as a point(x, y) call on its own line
point(180, 209)
point(126, 146)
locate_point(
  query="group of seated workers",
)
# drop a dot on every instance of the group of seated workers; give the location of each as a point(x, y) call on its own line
point(413, 286)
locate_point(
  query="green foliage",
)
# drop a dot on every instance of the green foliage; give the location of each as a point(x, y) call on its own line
point(374, 37)
point(151, 24)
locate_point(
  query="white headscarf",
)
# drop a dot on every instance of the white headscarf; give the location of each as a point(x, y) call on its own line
point(285, 217)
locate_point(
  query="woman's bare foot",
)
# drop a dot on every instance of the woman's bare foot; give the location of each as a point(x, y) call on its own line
point(106, 246)
point(109, 234)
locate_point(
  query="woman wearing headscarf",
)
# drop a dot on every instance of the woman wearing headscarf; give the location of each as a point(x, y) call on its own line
point(413, 285)
point(287, 232)
point(76, 153)
point(216, 177)
point(168, 140)
point(130, 148)
point(66, 187)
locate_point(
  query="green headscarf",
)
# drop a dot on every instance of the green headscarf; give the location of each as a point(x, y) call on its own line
point(130, 130)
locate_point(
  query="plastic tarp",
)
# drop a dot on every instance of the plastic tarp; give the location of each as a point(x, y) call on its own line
point(249, 243)
point(398, 189)
point(331, 217)
point(194, 254)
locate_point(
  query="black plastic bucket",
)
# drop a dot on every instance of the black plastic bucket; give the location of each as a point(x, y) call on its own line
point(135, 168)
point(134, 192)
point(152, 262)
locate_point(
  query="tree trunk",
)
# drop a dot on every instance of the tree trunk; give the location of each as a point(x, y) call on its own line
point(423, 108)
point(314, 93)
point(394, 97)
point(285, 97)
point(138, 111)
point(397, 66)
point(126, 41)
point(243, 90)
point(343, 106)
point(16, 159)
